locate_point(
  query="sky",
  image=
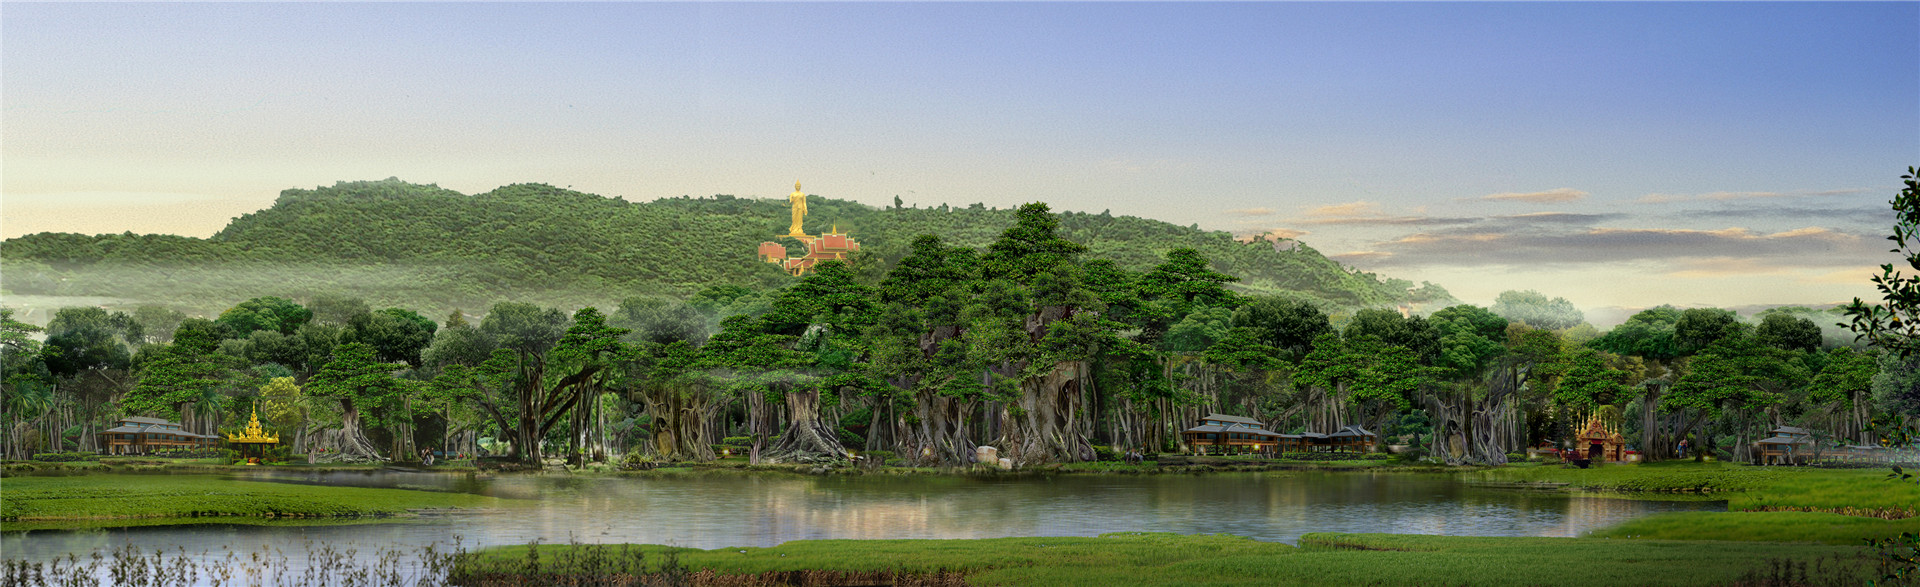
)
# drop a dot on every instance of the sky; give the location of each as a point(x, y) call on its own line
point(1620, 155)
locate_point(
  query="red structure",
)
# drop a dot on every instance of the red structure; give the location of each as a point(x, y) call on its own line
point(827, 247)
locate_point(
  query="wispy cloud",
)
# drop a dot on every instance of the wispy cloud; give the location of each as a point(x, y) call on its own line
point(1369, 213)
point(1360, 208)
point(1864, 214)
point(1552, 196)
point(1690, 249)
point(1558, 218)
point(1391, 220)
point(1352, 257)
point(1662, 198)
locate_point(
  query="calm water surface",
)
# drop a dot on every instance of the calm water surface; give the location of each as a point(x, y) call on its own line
point(720, 510)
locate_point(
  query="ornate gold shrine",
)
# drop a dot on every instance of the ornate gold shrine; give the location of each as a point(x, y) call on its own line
point(1599, 440)
point(253, 436)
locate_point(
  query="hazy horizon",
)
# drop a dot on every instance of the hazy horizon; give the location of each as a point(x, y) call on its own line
point(1618, 155)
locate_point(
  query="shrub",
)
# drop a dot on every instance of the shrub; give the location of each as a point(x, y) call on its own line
point(635, 461)
point(1323, 456)
point(65, 457)
point(1516, 456)
point(850, 439)
point(720, 447)
point(739, 441)
point(1104, 453)
point(1377, 456)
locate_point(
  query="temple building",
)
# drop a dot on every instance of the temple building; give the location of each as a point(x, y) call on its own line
point(1600, 441)
point(138, 435)
point(253, 441)
point(834, 245)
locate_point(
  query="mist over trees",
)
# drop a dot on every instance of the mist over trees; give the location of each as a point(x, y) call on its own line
point(433, 250)
point(1032, 341)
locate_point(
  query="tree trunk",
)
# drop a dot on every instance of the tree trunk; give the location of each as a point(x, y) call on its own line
point(1652, 444)
point(1041, 424)
point(680, 430)
point(808, 435)
point(351, 444)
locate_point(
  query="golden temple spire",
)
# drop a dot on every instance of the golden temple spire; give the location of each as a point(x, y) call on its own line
point(253, 433)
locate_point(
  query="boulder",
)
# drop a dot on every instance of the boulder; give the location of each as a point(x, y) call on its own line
point(986, 455)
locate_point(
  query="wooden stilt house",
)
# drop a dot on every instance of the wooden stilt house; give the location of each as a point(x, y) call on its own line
point(1221, 433)
point(138, 435)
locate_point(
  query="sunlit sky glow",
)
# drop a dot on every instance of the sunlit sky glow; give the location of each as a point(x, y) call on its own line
point(1618, 154)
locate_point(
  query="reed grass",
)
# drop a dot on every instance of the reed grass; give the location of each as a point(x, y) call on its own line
point(1145, 559)
point(1152, 559)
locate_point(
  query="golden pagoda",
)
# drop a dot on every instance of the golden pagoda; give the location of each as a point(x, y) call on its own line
point(253, 436)
point(1601, 440)
point(830, 246)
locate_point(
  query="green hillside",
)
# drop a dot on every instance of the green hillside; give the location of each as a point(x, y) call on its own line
point(425, 247)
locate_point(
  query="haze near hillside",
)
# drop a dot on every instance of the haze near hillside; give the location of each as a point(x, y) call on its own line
point(434, 249)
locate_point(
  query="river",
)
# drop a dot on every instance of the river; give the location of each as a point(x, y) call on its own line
point(726, 509)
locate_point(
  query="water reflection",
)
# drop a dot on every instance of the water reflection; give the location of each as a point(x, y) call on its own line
point(720, 510)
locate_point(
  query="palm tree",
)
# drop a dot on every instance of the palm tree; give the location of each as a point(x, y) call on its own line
point(25, 402)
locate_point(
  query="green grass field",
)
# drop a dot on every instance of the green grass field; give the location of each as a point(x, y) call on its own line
point(1746, 488)
point(1168, 559)
point(1760, 526)
point(83, 499)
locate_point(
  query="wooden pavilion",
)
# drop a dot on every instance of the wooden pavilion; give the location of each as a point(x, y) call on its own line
point(1229, 434)
point(1352, 438)
point(141, 435)
point(1782, 447)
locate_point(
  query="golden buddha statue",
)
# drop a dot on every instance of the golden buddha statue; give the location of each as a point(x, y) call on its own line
point(799, 200)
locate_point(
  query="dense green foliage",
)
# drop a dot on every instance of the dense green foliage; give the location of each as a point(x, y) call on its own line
point(1044, 341)
point(422, 246)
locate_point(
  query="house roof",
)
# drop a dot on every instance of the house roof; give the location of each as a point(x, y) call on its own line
point(151, 429)
point(1783, 440)
point(1350, 431)
point(1236, 429)
point(1234, 419)
point(145, 420)
point(1786, 430)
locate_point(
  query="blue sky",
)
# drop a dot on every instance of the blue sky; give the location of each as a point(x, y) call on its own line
point(1618, 154)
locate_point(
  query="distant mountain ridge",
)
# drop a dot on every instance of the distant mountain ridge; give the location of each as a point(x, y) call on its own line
point(428, 247)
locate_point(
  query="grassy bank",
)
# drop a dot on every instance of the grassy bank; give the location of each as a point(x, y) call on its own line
point(1167, 559)
point(1760, 526)
point(86, 500)
point(1864, 492)
point(1765, 504)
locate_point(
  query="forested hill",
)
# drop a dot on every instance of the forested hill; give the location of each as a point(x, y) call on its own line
point(431, 248)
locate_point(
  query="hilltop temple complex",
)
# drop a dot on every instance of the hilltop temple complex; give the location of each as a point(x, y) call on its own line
point(833, 245)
